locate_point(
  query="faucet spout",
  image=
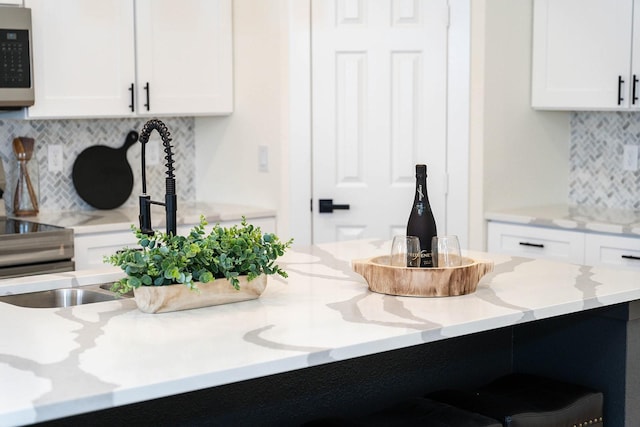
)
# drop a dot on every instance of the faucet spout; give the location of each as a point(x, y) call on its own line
point(170, 204)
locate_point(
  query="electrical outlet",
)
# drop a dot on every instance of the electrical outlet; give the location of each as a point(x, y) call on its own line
point(263, 158)
point(630, 158)
point(55, 158)
point(152, 152)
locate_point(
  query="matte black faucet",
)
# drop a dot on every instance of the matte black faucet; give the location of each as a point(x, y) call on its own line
point(170, 199)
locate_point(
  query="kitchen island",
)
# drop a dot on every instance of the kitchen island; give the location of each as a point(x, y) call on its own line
point(319, 342)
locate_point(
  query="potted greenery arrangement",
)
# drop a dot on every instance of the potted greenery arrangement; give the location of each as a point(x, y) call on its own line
point(169, 273)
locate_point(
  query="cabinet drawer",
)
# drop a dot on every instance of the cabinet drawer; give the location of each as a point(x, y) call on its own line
point(90, 248)
point(614, 251)
point(536, 242)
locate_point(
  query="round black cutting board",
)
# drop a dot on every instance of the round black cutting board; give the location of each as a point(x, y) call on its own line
point(102, 175)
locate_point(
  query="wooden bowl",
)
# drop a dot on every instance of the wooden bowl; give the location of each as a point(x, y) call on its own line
point(421, 282)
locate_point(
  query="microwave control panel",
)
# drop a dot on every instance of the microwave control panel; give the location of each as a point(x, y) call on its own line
point(14, 59)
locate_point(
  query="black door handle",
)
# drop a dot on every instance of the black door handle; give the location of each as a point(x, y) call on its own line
point(148, 104)
point(620, 82)
point(132, 98)
point(634, 96)
point(327, 206)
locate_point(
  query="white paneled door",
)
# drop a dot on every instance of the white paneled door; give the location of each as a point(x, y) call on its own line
point(379, 92)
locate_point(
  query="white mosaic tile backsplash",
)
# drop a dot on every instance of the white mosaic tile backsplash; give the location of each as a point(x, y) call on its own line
point(596, 176)
point(56, 188)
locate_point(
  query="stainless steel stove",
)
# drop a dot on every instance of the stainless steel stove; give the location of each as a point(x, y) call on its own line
point(28, 248)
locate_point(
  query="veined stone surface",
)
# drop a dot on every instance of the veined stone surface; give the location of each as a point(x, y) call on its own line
point(58, 362)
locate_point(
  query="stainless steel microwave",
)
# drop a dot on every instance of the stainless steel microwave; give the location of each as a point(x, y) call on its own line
point(16, 64)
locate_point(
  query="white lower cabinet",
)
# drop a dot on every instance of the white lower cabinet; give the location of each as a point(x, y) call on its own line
point(610, 250)
point(91, 248)
point(536, 242)
point(564, 245)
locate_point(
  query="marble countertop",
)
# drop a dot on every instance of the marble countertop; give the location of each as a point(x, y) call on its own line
point(580, 218)
point(60, 362)
point(93, 221)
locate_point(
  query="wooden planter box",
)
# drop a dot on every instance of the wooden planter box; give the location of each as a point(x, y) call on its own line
point(161, 299)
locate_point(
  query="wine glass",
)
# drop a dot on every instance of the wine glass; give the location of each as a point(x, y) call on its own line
point(446, 251)
point(405, 251)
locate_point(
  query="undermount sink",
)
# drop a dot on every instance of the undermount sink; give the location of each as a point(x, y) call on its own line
point(56, 298)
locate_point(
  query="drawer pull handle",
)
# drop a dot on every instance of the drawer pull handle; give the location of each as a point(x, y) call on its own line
point(631, 257)
point(533, 245)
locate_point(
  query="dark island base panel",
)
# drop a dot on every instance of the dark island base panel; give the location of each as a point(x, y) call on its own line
point(588, 348)
point(347, 388)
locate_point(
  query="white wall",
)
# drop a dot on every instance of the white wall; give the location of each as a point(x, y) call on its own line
point(520, 156)
point(476, 126)
point(227, 147)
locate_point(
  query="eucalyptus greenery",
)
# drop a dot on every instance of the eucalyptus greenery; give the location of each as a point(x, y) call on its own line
point(164, 259)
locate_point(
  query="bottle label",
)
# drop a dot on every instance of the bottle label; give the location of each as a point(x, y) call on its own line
point(420, 192)
point(420, 208)
point(426, 260)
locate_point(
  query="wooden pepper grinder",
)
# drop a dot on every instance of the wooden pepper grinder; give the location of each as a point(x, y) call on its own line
point(25, 197)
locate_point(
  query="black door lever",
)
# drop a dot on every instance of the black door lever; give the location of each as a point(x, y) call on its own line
point(327, 206)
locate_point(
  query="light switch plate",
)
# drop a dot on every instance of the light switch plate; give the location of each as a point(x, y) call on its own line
point(263, 158)
point(630, 158)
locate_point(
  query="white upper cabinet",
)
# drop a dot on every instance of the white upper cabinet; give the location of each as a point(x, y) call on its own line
point(119, 58)
point(183, 57)
point(634, 97)
point(583, 54)
point(83, 57)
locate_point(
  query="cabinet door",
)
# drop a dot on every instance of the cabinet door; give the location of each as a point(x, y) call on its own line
point(581, 49)
point(614, 251)
point(83, 57)
point(184, 56)
point(536, 242)
point(634, 96)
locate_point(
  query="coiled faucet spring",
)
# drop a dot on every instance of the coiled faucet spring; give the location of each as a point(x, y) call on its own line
point(170, 197)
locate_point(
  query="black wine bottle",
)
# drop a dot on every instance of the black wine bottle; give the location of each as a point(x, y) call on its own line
point(421, 222)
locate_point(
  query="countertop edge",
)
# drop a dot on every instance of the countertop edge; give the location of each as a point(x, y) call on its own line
point(121, 219)
point(571, 217)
